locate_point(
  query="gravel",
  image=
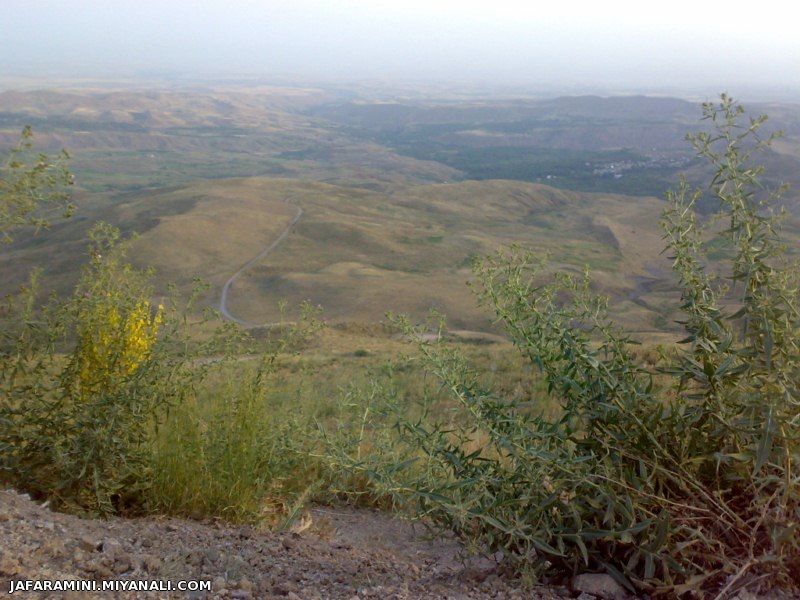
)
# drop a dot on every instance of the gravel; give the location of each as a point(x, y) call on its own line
point(340, 553)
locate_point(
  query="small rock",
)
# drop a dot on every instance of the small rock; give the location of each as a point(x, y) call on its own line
point(110, 544)
point(111, 548)
point(241, 594)
point(52, 549)
point(89, 544)
point(218, 584)
point(9, 566)
point(285, 588)
point(481, 568)
point(235, 566)
point(123, 563)
point(100, 571)
point(287, 543)
point(152, 564)
point(599, 585)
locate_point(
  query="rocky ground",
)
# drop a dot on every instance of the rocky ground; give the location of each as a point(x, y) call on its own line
point(333, 553)
point(338, 554)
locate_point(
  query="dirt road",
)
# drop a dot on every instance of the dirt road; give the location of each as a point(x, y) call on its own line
point(223, 301)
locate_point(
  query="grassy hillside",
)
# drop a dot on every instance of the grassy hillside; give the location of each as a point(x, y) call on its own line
point(130, 140)
point(210, 177)
point(359, 253)
point(204, 229)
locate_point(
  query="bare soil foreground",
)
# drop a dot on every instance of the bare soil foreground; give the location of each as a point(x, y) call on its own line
point(341, 554)
point(351, 554)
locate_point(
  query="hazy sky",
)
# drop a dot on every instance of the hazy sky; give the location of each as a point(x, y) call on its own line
point(569, 42)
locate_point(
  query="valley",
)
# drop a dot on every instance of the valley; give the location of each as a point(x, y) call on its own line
point(359, 253)
point(397, 197)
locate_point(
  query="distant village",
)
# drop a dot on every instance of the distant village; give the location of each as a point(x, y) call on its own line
point(617, 169)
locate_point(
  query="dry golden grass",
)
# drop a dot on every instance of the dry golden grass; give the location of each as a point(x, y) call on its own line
point(360, 253)
point(229, 223)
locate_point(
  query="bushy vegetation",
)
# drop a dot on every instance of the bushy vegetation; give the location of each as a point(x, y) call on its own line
point(239, 448)
point(86, 380)
point(680, 479)
point(33, 187)
point(112, 400)
point(111, 403)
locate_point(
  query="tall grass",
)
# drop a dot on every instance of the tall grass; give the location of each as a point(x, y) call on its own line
point(236, 450)
point(257, 454)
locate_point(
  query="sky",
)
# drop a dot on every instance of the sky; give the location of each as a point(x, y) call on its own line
point(611, 43)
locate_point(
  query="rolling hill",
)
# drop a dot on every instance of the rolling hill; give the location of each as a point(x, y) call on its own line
point(131, 140)
point(397, 196)
point(359, 253)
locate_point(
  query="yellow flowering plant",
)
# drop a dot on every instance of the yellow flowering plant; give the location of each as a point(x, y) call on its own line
point(116, 324)
point(86, 382)
point(112, 344)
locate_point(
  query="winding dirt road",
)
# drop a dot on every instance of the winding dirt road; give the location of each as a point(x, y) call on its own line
point(223, 301)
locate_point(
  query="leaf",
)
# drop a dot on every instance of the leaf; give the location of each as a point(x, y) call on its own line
point(661, 532)
point(768, 344)
point(693, 583)
point(584, 551)
point(619, 577)
point(765, 443)
point(545, 547)
point(649, 566)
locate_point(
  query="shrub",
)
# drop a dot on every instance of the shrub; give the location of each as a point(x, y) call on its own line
point(238, 448)
point(33, 188)
point(105, 404)
point(84, 383)
point(673, 481)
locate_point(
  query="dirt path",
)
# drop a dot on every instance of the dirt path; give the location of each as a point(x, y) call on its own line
point(223, 302)
point(343, 553)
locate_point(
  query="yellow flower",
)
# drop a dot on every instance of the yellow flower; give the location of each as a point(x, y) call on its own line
point(114, 344)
